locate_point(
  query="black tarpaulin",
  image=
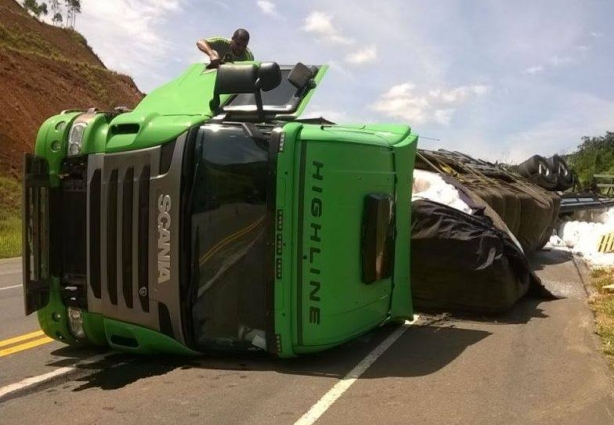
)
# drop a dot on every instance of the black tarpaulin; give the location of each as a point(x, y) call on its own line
point(462, 263)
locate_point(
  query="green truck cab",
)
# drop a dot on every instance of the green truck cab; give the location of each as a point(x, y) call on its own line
point(211, 217)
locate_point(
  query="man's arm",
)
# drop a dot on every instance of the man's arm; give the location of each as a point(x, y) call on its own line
point(206, 48)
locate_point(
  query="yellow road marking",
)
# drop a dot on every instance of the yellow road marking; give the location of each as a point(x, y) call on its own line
point(20, 338)
point(207, 255)
point(25, 346)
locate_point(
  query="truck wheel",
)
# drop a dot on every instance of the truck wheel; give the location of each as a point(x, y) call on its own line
point(532, 166)
point(564, 176)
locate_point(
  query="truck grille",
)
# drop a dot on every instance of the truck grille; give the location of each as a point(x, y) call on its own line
point(119, 231)
point(122, 240)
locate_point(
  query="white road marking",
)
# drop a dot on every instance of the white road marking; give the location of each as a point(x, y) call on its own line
point(34, 380)
point(340, 387)
point(28, 382)
point(11, 287)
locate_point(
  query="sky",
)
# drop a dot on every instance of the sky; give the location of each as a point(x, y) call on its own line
point(498, 80)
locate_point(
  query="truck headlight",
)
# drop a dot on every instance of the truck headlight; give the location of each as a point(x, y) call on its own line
point(75, 135)
point(75, 322)
point(75, 138)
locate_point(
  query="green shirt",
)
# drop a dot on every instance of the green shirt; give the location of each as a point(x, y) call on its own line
point(222, 46)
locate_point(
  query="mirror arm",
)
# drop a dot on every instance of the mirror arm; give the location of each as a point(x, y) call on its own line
point(258, 95)
point(214, 103)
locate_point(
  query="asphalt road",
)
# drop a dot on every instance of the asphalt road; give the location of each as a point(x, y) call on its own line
point(11, 301)
point(539, 364)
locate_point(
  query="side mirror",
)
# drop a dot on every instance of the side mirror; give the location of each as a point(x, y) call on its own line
point(301, 76)
point(232, 79)
point(269, 76)
point(245, 78)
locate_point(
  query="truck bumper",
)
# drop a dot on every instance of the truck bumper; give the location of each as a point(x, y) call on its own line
point(35, 216)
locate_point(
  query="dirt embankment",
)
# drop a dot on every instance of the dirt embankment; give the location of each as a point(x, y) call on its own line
point(44, 70)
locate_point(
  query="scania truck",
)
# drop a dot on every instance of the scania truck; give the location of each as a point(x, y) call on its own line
point(212, 217)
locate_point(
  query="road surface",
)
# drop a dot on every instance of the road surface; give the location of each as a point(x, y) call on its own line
point(539, 364)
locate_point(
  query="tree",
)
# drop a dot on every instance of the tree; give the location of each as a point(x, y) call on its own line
point(595, 155)
point(57, 18)
point(72, 8)
point(55, 11)
point(36, 9)
point(30, 5)
point(75, 5)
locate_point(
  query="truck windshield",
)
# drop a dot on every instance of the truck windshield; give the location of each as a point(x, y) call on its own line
point(228, 211)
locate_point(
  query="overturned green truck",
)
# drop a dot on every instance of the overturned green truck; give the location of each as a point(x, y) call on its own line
point(211, 217)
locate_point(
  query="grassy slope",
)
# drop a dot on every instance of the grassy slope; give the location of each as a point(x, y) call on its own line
point(43, 70)
point(10, 220)
point(603, 304)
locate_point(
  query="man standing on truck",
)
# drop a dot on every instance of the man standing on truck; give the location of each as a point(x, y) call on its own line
point(221, 49)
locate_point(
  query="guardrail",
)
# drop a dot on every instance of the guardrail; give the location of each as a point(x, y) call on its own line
point(571, 202)
point(607, 183)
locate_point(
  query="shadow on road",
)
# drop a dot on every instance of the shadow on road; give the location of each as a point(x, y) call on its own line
point(69, 355)
point(525, 310)
point(540, 259)
point(424, 348)
point(443, 343)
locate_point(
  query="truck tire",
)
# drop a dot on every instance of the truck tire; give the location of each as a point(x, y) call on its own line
point(547, 182)
point(564, 176)
point(539, 171)
point(534, 165)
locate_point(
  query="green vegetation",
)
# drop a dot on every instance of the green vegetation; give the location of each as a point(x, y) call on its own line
point(10, 218)
point(594, 156)
point(93, 76)
point(26, 42)
point(78, 37)
point(15, 37)
point(603, 305)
